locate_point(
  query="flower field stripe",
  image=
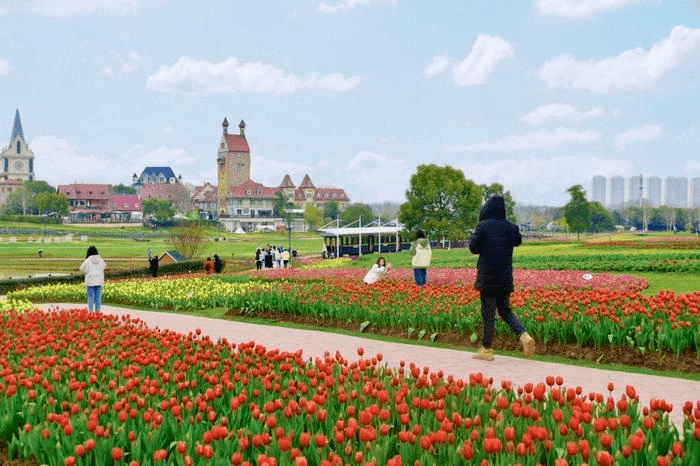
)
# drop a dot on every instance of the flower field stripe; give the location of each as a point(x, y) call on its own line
point(80, 388)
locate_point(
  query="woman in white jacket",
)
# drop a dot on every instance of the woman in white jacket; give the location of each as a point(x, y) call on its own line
point(377, 271)
point(94, 269)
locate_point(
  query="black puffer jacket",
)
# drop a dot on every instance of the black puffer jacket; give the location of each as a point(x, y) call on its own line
point(494, 239)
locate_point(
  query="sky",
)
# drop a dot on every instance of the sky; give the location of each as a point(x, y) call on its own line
point(537, 95)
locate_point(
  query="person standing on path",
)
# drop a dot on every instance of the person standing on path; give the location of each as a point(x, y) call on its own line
point(94, 269)
point(218, 264)
point(421, 252)
point(493, 240)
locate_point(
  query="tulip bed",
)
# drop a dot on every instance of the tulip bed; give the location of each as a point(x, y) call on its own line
point(610, 312)
point(84, 389)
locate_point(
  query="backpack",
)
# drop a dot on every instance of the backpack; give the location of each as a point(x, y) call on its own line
point(421, 260)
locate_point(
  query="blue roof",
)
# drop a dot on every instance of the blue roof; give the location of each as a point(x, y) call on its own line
point(17, 127)
point(166, 171)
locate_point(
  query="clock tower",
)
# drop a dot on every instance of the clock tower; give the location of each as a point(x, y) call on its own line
point(17, 159)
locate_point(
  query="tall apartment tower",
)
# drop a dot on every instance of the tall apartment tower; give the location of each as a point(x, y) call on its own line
point(634, 190)
point(233, 163)
point(17, 158)
point(598, 190)
point(695, 193)
point(617, 192)
point(676, 191)
point(654, 191)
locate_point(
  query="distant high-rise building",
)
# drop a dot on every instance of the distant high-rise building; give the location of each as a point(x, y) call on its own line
point(599, 189)
point(676, 191)
point(695, 193)
point(654, 191)
point(617, 191)
point(634, 194)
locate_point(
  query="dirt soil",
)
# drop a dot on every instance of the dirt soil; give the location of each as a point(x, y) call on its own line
point(666, 361)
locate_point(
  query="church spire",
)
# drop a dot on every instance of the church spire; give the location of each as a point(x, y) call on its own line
point(17, 127)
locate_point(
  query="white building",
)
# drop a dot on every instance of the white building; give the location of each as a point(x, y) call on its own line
point(634, 186)
point(598, 191)
point(676, 191)
point(617, 191)
point(695, 193)
point(654, 191)
point(17, 158)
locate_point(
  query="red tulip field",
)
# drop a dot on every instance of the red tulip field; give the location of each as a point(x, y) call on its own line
point(89, 389)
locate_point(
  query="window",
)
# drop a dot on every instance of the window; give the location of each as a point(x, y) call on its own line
point(7, 164)
point(259, 192)
point(19, 147)
point(31, 166)
point(249, 192)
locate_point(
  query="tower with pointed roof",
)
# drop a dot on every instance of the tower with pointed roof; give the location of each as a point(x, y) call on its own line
point(233, 163)
point(17, 159)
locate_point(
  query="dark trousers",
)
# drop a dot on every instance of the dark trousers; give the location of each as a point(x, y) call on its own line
point(421, 276)
point(490, 301)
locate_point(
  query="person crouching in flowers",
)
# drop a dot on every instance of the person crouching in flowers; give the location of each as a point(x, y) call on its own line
point(94, 269)
point(377, 271)
point(493, 240)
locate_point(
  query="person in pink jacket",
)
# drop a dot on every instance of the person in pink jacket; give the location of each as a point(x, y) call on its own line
point(94, 269)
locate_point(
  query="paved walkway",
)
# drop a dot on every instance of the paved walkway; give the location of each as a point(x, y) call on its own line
point(456, 362)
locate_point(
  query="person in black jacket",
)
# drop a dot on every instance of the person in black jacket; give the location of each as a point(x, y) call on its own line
point(153, 265)
point(493, 240)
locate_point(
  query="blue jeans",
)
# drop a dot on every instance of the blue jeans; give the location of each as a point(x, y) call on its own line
point(421, 276)
point(94, 298)
point(490, 301)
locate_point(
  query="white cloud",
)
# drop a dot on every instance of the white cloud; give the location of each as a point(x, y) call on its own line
point(367, 179)
point(169, 129)
point(59, 162)
point(579, 8)
point(200, 77)
point(641, 133)
point(437, 66)
point(4, 67)
point(634, 69)
point(560, 111)
point(485, 54)
point(69, 8)
point(532, 140)
point(344, 6)
point(123, 65)
point(544, 181)
point(270, 172)
point(692, 169)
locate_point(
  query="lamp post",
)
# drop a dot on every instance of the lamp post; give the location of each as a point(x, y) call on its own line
point(289, 229)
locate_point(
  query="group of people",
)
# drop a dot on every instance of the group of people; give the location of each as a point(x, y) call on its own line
point(493, 240)
point(272, 257)
point(215, 265)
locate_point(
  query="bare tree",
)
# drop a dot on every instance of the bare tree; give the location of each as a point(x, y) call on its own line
point(189, 240)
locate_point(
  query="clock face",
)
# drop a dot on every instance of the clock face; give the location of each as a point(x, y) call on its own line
point(18, 165)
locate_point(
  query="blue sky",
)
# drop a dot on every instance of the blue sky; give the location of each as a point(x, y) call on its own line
point(537, 95)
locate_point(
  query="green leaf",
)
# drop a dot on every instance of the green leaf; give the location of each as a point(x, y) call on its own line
point(421, 334)
point(433, 337)
point(364, 325)
point(410, 331)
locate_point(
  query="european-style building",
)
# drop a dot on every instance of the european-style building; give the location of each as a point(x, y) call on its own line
point(17, 158)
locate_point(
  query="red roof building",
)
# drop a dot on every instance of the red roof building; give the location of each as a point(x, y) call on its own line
point(205, 197)
point(87, 201)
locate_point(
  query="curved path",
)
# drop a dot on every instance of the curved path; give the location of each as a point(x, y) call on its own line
point(459, 363)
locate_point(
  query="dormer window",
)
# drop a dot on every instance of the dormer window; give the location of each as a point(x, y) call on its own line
point(259, 192)
point(249, 192)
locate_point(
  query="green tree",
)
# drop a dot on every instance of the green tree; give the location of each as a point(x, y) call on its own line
point(577, 211)
point(19, 201)
point(356, 211)
point(331, 210)
point(47, 203)
point(442, 202)
point(120, 189)
point(160, 209)
point(496, 189)
point(601, 219)
point(280, 204)
point(312, 216)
